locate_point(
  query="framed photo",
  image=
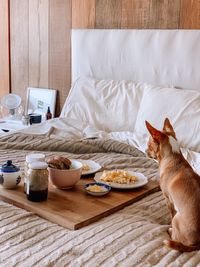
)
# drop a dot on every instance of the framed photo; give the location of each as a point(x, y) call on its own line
point(39, 99)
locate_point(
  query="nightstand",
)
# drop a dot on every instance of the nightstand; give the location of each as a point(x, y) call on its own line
point(11, 125)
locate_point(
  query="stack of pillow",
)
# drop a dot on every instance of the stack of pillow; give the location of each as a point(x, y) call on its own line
point(119, 106)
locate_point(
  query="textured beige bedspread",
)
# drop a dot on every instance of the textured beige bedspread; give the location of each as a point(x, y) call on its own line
point(130, 237)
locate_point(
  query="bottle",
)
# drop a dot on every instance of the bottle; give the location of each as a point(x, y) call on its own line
point(48, 114)
point(37, 182)
point(29, 159)
point(25, 120)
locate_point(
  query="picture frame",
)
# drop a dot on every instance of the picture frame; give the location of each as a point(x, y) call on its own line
point(39, 99)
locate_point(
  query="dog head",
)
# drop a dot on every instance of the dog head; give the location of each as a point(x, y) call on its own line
point(162, 142)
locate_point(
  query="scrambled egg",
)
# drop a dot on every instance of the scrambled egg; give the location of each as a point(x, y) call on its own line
point(118, 176)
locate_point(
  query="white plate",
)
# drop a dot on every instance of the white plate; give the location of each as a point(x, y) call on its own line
point(94, 166)
point(142, 180)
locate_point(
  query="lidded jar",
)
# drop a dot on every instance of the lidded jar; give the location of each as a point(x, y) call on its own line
point(10, 175)
point(37, 181)
point(29, 159)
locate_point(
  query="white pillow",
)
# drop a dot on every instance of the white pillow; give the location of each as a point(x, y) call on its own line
point(104, 104)
point(182, 107)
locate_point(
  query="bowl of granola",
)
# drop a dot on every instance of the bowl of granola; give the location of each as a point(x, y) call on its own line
point(64, 173)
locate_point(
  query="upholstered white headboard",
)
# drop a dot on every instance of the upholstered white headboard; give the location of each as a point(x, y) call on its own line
point(165, 57)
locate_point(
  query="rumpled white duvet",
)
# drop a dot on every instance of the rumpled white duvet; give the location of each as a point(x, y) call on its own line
point(75, 129)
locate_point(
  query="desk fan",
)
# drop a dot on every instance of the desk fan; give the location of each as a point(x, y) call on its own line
point(11, 102)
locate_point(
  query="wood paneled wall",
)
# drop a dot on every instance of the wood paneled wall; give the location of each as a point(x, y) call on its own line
point(40, 34)
point(136, 14)
point(59, 49)
point(4, 48)
point(40, 46)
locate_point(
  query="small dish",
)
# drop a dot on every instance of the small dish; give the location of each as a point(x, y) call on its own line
point(106, 189)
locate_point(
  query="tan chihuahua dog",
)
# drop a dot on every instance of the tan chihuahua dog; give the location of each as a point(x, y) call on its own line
point(180, 186)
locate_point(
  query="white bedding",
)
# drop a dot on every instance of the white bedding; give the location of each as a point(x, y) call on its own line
point(182, 107)
point(107, 105)
point(75, 129)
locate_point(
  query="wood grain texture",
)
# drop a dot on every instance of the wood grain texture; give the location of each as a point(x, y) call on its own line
point(74, 208)
point(83, 14)
point(190, 14)
point(135, 14)
point(4, 48)
point(164, 14)
point(38, 43)
point(19, 46)
point(59, 49)
point(108, 14)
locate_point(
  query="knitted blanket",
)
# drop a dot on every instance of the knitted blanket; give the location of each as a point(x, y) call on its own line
point(130, 237)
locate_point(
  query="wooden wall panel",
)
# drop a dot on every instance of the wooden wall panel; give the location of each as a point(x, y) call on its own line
point(4, 48)
point(108, 14)
point(38, 43)
point(40, 46)
point(135, 14)
point(83, 14)
point(190, 14)
point(59, 49)
point(164, 14)
point(19, 46)
point(150, 14)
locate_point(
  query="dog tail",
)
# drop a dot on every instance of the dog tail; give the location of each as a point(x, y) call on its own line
point(179, 246)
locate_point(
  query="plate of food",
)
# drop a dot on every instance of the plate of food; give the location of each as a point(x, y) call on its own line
point(90, 166)
point(121, 179)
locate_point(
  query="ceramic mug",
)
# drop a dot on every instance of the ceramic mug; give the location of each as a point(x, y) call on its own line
point(10, 175)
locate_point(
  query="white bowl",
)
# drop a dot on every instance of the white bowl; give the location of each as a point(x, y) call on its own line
point(65, 179)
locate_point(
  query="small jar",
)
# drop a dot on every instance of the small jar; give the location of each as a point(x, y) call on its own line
point(10, 175)
point(37, 157)
point(37, 182)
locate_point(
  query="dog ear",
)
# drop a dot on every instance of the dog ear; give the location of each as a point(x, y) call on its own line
point(156, 134)
point(168, 128)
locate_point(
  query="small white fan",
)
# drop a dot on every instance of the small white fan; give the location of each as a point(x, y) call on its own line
point(11, 102)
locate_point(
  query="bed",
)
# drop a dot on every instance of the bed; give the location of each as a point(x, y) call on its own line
point(118, 76)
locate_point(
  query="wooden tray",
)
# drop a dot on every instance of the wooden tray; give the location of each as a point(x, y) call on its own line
point(74, 208)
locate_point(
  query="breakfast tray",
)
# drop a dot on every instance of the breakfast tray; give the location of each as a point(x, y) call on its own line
point(74, 208)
